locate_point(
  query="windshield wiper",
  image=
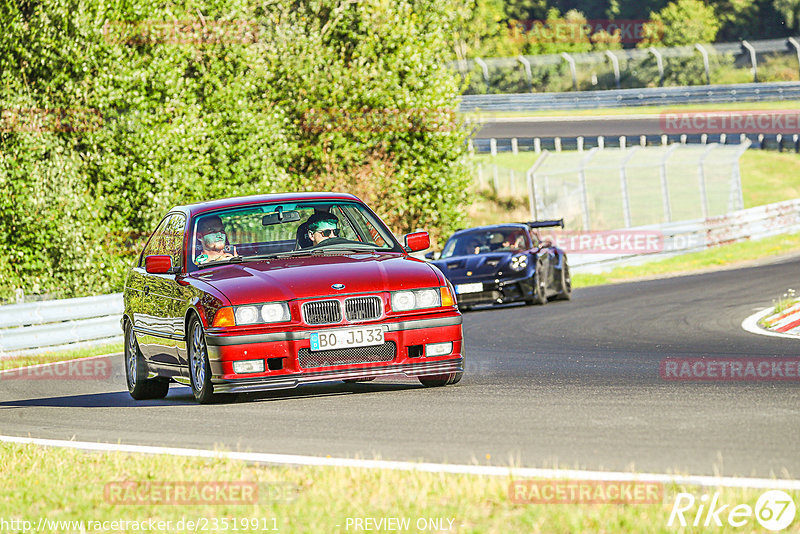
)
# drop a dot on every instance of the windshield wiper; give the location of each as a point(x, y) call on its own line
point(235, 259)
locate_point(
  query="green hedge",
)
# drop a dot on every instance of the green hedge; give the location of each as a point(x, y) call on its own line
point(106, 123)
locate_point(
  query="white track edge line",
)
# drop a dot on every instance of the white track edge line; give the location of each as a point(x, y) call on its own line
point(528, 472)
point(750, 324)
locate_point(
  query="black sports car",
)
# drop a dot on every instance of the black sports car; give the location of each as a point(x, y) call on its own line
point(505, 263)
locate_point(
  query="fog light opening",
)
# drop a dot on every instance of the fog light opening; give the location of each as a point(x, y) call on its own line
point(244, 367)
point(275, 364)
point(438, 349)
point(415, 351)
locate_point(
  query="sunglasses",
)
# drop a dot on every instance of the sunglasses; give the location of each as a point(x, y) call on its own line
point(328, 232)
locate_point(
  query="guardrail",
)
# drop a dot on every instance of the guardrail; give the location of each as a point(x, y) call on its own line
point(652, 96)
point(700, 234)
point(60, 324)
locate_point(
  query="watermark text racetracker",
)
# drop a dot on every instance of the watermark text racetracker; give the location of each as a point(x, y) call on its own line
point(732, 122)
point(731, 369)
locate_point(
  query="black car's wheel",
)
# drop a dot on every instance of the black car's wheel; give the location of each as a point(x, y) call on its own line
point(139, 386)
point(565, 284)
point(199, 369)
point(539, 290)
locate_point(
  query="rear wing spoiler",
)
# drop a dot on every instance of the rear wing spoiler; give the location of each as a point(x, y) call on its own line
point(545, 224)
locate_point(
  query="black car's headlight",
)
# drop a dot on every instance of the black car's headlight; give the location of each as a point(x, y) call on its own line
point(271, 312)
point(519, 262)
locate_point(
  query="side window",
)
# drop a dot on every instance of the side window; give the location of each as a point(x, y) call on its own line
point(155, 243)
point(167, 239)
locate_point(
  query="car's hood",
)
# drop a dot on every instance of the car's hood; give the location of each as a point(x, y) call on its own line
point(457, 267)
point(312, 276)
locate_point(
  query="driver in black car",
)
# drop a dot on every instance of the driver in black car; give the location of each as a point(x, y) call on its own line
point(322, 227)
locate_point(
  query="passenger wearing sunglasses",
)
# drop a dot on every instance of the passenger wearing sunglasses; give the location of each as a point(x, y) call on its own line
point(321, 227)
point(212, 237)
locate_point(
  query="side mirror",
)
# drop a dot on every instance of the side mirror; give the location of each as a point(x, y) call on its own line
point(158, 264)
point(433, 255)
point(417, 241)
point(429, 256)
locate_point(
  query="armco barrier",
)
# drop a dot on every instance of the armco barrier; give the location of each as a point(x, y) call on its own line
point(60, 324)
point(652, 96)
point(700, 234)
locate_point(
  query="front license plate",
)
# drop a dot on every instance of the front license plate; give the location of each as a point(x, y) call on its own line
point(346, 338)
point(469, 288)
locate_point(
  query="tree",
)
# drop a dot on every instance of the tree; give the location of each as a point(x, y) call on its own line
point(682, 22)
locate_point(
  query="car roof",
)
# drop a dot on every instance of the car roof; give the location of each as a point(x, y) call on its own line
point(201, 207)
point(492, 227)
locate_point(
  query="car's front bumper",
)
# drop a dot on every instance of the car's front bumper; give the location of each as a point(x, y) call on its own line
point(497, 292)
point(285, 353)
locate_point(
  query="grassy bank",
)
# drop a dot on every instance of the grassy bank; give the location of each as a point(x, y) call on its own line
point(66, 485)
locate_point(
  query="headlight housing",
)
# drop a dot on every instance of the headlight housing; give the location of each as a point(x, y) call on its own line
point(519, 262)
point(270, 312)
point(417, 299)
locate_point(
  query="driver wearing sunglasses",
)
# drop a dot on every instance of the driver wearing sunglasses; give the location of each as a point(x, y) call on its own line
point(212, 238)
point(322, 226)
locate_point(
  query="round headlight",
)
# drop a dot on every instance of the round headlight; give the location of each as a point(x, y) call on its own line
point(246, 315)
point(518, 263)
point(428, 298)
point(273, 313)
point(402, 301)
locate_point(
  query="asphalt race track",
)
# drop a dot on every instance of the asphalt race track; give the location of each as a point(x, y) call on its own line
point(571, 384)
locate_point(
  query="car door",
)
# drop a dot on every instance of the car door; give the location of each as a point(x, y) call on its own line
point(160, 326)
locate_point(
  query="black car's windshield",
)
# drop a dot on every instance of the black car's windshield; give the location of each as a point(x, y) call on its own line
point(479, 241)
point(286, 229)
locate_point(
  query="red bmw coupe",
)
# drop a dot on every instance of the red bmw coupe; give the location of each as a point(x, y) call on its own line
point(274, 291)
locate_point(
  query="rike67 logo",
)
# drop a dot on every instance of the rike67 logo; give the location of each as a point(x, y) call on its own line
point(775, 510)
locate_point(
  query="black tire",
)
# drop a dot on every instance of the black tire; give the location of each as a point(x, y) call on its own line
point(199, 368)
point(565, 284)
point(539, 289)
point(435, 381)
point(139, 386)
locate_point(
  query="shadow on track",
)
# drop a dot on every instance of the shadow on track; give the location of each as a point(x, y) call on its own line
point(182, 396)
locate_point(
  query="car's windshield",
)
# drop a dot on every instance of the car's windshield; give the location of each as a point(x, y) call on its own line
point(284, 229)
point(499, 239)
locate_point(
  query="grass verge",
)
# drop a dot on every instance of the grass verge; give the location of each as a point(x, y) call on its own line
point(733, 255)
point(67, 485)
point(12, 362)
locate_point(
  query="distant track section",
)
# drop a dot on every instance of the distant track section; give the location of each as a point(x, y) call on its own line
point(652, 96)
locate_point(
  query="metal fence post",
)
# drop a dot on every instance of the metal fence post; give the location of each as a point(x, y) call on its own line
point(493, 146)
point(792, 43)
point(665, 184)
point(736, 198)
point(569, 59)
point(531, 178)
point(660, 62)
point(584, 191)
point(753, 59)
point(514, 145)
point(704, 52)
point(615, 64)
point(485, 68)
point(701, 175)
point(623, 179)
point(526, 66)
point(537, 145)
